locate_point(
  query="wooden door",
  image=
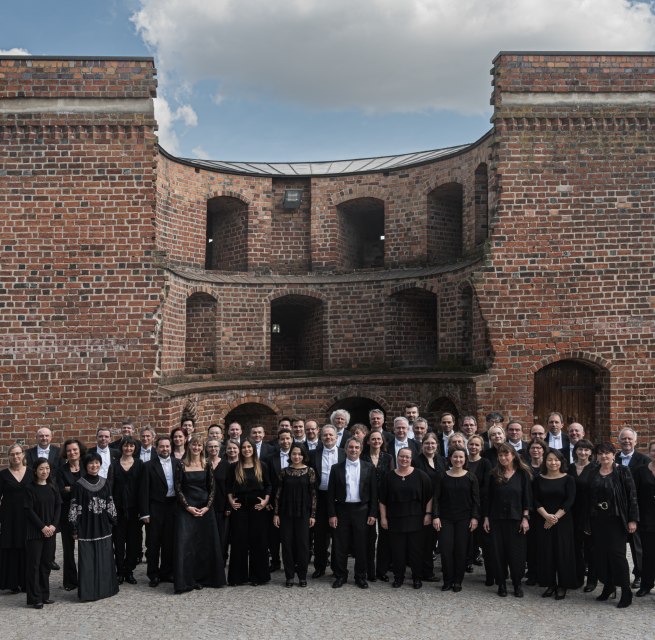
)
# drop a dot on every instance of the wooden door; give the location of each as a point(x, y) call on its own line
point(568, 387)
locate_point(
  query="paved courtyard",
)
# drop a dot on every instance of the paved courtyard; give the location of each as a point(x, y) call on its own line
point(323, 613)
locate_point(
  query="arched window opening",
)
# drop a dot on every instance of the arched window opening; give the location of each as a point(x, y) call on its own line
point(252, 413)
point(360, 238)
point(445, 207)
point(481, 204)
point(227, 234)
point(357, 407)
point(200, 344)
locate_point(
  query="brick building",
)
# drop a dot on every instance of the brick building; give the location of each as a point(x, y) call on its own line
point(515, 273)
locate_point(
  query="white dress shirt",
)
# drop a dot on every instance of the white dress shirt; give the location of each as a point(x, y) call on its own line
point(625, 458)
point(42, 453)
point(105, 454)
point(328, 458)
point(352, 481)
point(284, 459)
point(145, 454)
point(167, 466)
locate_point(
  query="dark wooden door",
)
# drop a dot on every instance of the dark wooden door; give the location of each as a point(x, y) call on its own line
point(570, 388)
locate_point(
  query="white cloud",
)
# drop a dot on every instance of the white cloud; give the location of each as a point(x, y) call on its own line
point(167, 117)
point(374, 55)
point(16, 51)
point(199, 152)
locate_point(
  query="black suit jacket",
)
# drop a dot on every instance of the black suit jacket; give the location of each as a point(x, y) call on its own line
point(637, 460)
point(153, 485)
point(565, 440)
point(267, 450)
point(412, 444)
point(344, 438)
point(54, 459)
point(368, 488)
point(316, 461)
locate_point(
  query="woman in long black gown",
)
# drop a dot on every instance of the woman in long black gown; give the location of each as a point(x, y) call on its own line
point(295, 513)
point(67, 475)
point(554, 495)
point(127, 533)
point(13, 482)
point(405, 508)
point(198, 560)
point(248, 492)
point(219, 466)
point(92, 516)
point(645, 484)
point(378, 556)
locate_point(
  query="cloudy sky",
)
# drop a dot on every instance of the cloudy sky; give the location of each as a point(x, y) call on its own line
point(292, 80)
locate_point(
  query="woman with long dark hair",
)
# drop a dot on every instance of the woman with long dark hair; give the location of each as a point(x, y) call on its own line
point(67, 475)
point(179, 439)
point(248, 493)
point(507, 516)
point(613, 513)
point(43, 510)
point(295, 513)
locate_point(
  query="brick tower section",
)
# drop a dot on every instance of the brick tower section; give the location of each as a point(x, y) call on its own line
point(571, 269)
point(79, 294)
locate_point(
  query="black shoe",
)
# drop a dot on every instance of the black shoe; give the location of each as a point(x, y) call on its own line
point(626, 599)
point(288, 583)
point(48, 601)
point(154, 582)
point(469, 568)
point(636, 583)
point(548, 593)
point(130, 579)
point(70, 587)
point(530, 582)
point(489, 582)
point(302, 583)
point(319, 573)
point(457, 588)
point(561, 593)
point(642, 592)
point(590, 586)
point(447, 586)
point(121, 579)
point(416, 583)
point(338, 583)
point(361, 583)
point(398, 582)
point(54, 566)
point(383, 577)
point(607, 593)
point(198, 587)
point(518, 591)
point(38, 605)
point(372, 579)
point(433, 578)
point(502, 591)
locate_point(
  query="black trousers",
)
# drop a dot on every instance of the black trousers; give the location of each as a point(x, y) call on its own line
point(406, 548)
point(274, 541)
point(584, 557)
point(294, 534)
point(610, 538)
point(634, 540)
point(453, 542)
point(509, 548)
point(430, 537)
point(248, 546)
point(161, 530)
point(39, 554)
point(648, 559)
point(351, 533)
point(378, 556)
point(127, 542)
point(322, 532)
point(68, 548)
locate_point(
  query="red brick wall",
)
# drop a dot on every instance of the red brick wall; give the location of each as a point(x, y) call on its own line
point(200, 355)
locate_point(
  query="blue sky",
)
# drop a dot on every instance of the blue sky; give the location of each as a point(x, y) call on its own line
point(292, 80)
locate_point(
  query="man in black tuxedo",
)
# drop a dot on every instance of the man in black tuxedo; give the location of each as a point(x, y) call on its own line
point(127, 429)
point(276, 461)
point(575, 432)
point(108, 455)
point(311, 435)
point(447, 428)
point(401, 440)
point(44, 449)
point(264, 449)
point(376, 420)
point(352, 504)
point(322, 459)
point(515, 439)
point(631, 458)
point(156, 507)
point(555, 438)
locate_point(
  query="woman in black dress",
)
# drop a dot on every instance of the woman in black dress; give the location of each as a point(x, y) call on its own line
point(405, 508)
point(248, 493)
point(295, 513)
point(92, 517)
point(479, 539)
point(433, 465)
point(67, 475)
point(645, 484)
point(554, 495)
point(581, 471)
point(43, 511)
point(179, 439)
point(455, 514)
point(13, 482)
point(507, 516)
point(537, 451)
point(613, 513)
point(219, 466)
point(497, 437)
point(198, 560)
point(126, 475)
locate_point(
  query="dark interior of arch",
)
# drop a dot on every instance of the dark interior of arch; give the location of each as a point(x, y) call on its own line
point(361, 231)
point(227, 234)
point(357, 407)
point(252, 413)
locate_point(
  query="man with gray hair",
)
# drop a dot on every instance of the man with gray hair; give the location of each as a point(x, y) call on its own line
point(376, 420)
point(402, 440)
point(339, 419)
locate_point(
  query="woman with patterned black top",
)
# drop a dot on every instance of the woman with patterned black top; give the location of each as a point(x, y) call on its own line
point(92, 516)
point(198, 558)
point(295, 513)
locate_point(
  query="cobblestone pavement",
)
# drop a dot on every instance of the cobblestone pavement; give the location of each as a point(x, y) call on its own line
point(323, 613)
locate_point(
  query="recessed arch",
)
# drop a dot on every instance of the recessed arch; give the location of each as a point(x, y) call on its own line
point(445, 206)
point(439, 406)
point(357, 406)
point(360, 234)
point(227, 234)
point(200, 334)
point(481, 203)
point(248, 414)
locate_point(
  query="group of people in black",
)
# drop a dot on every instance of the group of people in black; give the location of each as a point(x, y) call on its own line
point(551, 510)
